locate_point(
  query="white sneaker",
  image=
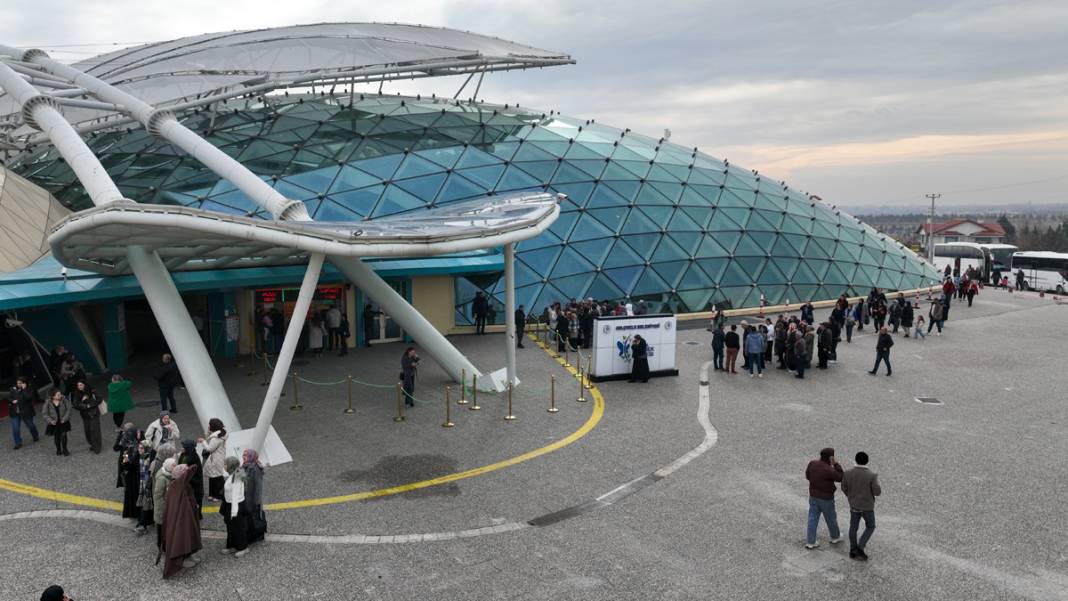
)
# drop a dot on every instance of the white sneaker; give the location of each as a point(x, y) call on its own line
point(812, 546)
point(835, 541)
point(760, 375)
point(241, 553)
point(227, 551)
point(750, 375)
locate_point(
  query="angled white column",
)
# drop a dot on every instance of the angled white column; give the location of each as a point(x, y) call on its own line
point(509, 310)
point(411, 321)
point(201, 379)
point(289, 346)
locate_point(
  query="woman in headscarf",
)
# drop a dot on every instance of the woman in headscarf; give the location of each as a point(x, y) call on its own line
point(161, 480)
point(214, 454)
point(84, 400)
point(148, 498)
point(144, 488)
point(181, 528)
point(190, 457)
point(233, 510)
point(253, 473)
point(126, 445)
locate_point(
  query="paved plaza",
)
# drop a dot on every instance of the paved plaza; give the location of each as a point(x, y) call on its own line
point(676, 491)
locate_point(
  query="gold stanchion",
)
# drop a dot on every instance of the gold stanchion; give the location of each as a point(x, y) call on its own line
point(509, 417)
point(567, 345)
point(474, 393)
point(589, 382)
point(578, 365)
point(400, 405)
point(463, 387)
point(554, 345)
point(348, 380)
point(296, 406)
point(552, 395)
point(582, 389)
point(448, 408)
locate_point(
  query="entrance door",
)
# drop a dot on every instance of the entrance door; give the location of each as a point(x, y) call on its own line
point(384, 328)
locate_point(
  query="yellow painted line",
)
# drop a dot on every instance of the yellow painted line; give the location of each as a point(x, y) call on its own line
point(590, 424)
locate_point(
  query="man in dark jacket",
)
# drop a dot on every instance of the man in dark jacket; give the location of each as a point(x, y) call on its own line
point(825, 342)
point(717, 347)
point(520, 326)
point(167, 378)
point(882, 351)
point(821, 474)
point(800, 353)
point(409, 368)
point(20, 410)
point(808, 315)
point(563, 328)
point(480, 310)
point(861, 486)
point(732, 343)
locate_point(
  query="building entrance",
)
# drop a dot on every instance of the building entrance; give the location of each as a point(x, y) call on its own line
point(274, 309)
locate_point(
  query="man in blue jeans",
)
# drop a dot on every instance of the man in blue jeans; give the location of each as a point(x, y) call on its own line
point(861, 485)
point(821, 474)
point(20, 410)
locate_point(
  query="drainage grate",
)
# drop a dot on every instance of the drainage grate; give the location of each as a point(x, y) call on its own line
point(928, 400)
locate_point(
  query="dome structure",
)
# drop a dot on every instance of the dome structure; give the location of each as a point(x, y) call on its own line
point(643, 219)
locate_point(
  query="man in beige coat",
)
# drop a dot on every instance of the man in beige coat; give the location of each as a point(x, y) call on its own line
point(861, 486)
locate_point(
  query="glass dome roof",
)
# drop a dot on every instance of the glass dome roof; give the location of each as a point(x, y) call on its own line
point(643, 218)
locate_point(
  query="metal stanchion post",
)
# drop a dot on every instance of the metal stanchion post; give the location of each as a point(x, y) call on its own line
point(448, 407)
point(474, 393)
point(348, 380)
point(582, 390)
point(552, 395)
point(578, 365)
point(463, 387)
point(510, 416)
point(296, 393)
point(554, 345)
point(400, 405)
point(589, 382)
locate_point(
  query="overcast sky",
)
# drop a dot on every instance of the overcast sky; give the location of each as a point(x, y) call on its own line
point(857, 103)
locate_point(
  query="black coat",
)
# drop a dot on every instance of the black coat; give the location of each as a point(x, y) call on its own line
point(717, 339)
point(167, 375)
point(480, 306)
point(21, 402)
point(520, 319)
point(884, 343)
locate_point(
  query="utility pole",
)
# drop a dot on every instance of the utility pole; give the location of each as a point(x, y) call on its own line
point(930, 227)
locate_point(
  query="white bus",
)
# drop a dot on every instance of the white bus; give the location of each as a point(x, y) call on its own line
point(1042, 270)
point(987, 258)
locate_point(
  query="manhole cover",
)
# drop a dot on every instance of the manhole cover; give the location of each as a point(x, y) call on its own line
point(692, 343)
point(928, 400)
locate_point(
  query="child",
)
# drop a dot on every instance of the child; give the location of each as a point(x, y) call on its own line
point(920, 335)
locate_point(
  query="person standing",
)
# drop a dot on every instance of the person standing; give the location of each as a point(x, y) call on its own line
point(161, 480)
point(810, 344)
point(333, 324)
point(126, 445)
point(808, 314)
point(20, 410)
point(85, 401)
point(825, 340)
point(732, 343)
point(754, 350)
point(1021, 280)
point(161, 431)
point(935, 313)
point(821, 474)
point(409, 367)
point(563, 329)
point(520, 326)
point(190, 457)
point(882, 351)
point(639, 359)
point(717, 347)
point(369, 315)
point(181, 528)
point(861, 485)
point(908, 314)
point(214, 444)
point(167, 378)
point(800, 353)
point(480, 310)
point(70, 371)
point(850, 323)
point(57, 420)
point(119, 399)
point(315, 336)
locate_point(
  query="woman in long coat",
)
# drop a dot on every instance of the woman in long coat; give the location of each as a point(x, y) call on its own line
point(181, 530)
point(126, 446)
point(215, 453)
point(639, 354)
point(190, 457)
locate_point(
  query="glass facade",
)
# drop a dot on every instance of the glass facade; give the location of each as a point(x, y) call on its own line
point(644, 219)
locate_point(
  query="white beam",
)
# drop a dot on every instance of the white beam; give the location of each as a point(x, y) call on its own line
point(509, 311)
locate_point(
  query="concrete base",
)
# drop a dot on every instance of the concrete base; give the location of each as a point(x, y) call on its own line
point(274, 450)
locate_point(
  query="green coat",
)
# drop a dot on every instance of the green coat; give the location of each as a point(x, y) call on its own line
point(119, 399)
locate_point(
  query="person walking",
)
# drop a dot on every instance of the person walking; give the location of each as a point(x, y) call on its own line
point(409, 367)
point(161, 431)
point(768, 330)
point(861, 485)
point(908, 314)
point(84, 400)
point(717, 347)
point(973, 289)
point(520, 318)
point(821, 474)
point(126, 445)
point(732, 343)
point(1021, 280)
point(181, 527)
point(167, 379)
point(935, 313)
point(754, 350)
point(882, 351)
point(639, 360)
point(919, 329)
point(119, 399)
point(480, 310)
point(20, 410)
point(214, 445)
point(57, 420)
point(333, 326)
point(144, 488)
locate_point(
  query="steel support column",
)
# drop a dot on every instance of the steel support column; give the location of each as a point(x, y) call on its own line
point(509, 310)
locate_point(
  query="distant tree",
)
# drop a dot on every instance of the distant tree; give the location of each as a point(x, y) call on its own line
point(1010, 229)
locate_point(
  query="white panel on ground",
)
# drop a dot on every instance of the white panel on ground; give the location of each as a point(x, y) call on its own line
point(274, 451)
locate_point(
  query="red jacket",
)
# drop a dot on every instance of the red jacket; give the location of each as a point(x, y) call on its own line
point(948, 288)
point(821, 478)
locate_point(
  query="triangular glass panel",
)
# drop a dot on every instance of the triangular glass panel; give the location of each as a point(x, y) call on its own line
point(628, 189)
point(734, 275)
point(709, 248)
point(350, 177)
point(688, 241)
point(622, 256)
point(603, 196)
point(624, 277)
point(671, 272)
point(577, 194)
point(603, 288)
point(570, 263)
point(541, 260)
point(564, 223)
point(649, 283)
point(566, 174)
point(540, 170)
point(416, 166)
point(530, 152)
point(593, 167)
point(595, 251)
point(484, 176)
point(395, 200)
point(699, 215)
point(668, 250)
point(659, 214)
point(658, 174)
point(516, 179)
point(611, 218)
point(695, 300)
point(473, 157)
point(445, 156)
point(638, 223)
point(589, 228)
point(713, 268)
point(694, 279)
point(650, 196)
point(804, 274)
point(643, 244)
point(458, 188)
point(423, 187)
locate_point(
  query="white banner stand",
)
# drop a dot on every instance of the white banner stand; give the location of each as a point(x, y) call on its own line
point(612, 337)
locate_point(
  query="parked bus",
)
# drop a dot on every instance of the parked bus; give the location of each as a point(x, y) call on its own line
point(1042, 270)
point(987, 258)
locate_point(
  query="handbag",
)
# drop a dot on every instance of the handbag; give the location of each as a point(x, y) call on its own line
point(103, 407)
